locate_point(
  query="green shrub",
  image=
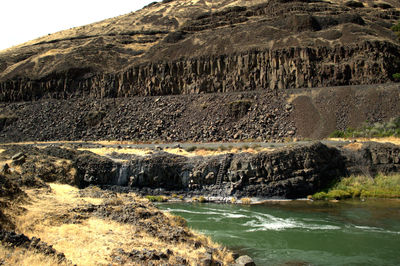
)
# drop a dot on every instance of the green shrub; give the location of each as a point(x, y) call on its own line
point(396, 28)
point(320, 196)
point(387, 129)
point(382, 186)
point(337, 134)
point(338, 194)
point(156, 198)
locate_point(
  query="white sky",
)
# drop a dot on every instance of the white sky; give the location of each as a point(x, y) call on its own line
point(25, 20)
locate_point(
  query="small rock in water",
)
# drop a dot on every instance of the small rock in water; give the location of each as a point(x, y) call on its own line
point(244, 261)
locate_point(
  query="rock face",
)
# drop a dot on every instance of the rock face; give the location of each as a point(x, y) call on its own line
point(291, 173)
point(185, 47)
point(288, 172)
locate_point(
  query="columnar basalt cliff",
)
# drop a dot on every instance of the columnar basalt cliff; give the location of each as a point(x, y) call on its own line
point(287, 172)
point(271, 70)
point(184, 47)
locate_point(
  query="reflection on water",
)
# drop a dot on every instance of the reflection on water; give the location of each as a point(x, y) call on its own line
point(303, 232)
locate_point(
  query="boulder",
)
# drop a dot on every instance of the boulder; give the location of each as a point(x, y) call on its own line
point(18, 159)
point(244, 261)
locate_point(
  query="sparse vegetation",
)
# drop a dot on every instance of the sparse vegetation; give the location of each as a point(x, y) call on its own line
point(396, 28)
point(24, 257)
point(240, 107)
point(156, 198)
point(386, 129)
point(396, 76)
point(246, 201)
point(48, 217)
point(381, 186)
point(245, 147)
point(202, 199)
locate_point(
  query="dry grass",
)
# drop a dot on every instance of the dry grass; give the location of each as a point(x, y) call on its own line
point(23, 257)
point(177, 151)
point(93, 240)
point(107, 151)
point(393, 140)
point(354, 146)
point(246, 201)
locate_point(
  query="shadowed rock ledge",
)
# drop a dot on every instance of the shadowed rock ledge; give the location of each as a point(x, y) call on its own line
point(288, 172)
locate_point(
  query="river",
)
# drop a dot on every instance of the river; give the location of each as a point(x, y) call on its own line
point(302, 232)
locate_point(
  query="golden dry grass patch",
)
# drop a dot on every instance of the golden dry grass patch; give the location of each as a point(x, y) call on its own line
point(107, 151)
point(23, 257)
point(93, 240)
point(394, 140)
point(354, 146)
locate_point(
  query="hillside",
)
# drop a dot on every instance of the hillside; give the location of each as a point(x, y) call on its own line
point(185, 47)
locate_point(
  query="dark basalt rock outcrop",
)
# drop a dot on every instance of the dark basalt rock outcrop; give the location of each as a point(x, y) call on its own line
point(13, 240)
point(288, 172)
point(373, 158)
point(182, 47)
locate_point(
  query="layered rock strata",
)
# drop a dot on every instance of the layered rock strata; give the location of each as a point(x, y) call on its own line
point(185, 47)
point(289, 172)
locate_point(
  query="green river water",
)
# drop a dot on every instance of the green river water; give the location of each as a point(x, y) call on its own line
point(302, 232)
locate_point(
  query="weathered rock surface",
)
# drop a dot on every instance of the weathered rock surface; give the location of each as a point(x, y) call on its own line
point(291, 172)
point(288, 172)
point(258, 115)
point(14, 240)
point(184, 47)
point(244, 261)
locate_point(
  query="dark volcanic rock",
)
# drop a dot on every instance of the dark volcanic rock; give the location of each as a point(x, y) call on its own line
point(185, 47)
point(261, 115)
point(288, 172)
point(12, 239)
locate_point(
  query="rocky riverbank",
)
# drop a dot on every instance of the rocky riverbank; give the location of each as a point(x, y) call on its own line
point(45, 223)
point(293, 171)
point(49, 194)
